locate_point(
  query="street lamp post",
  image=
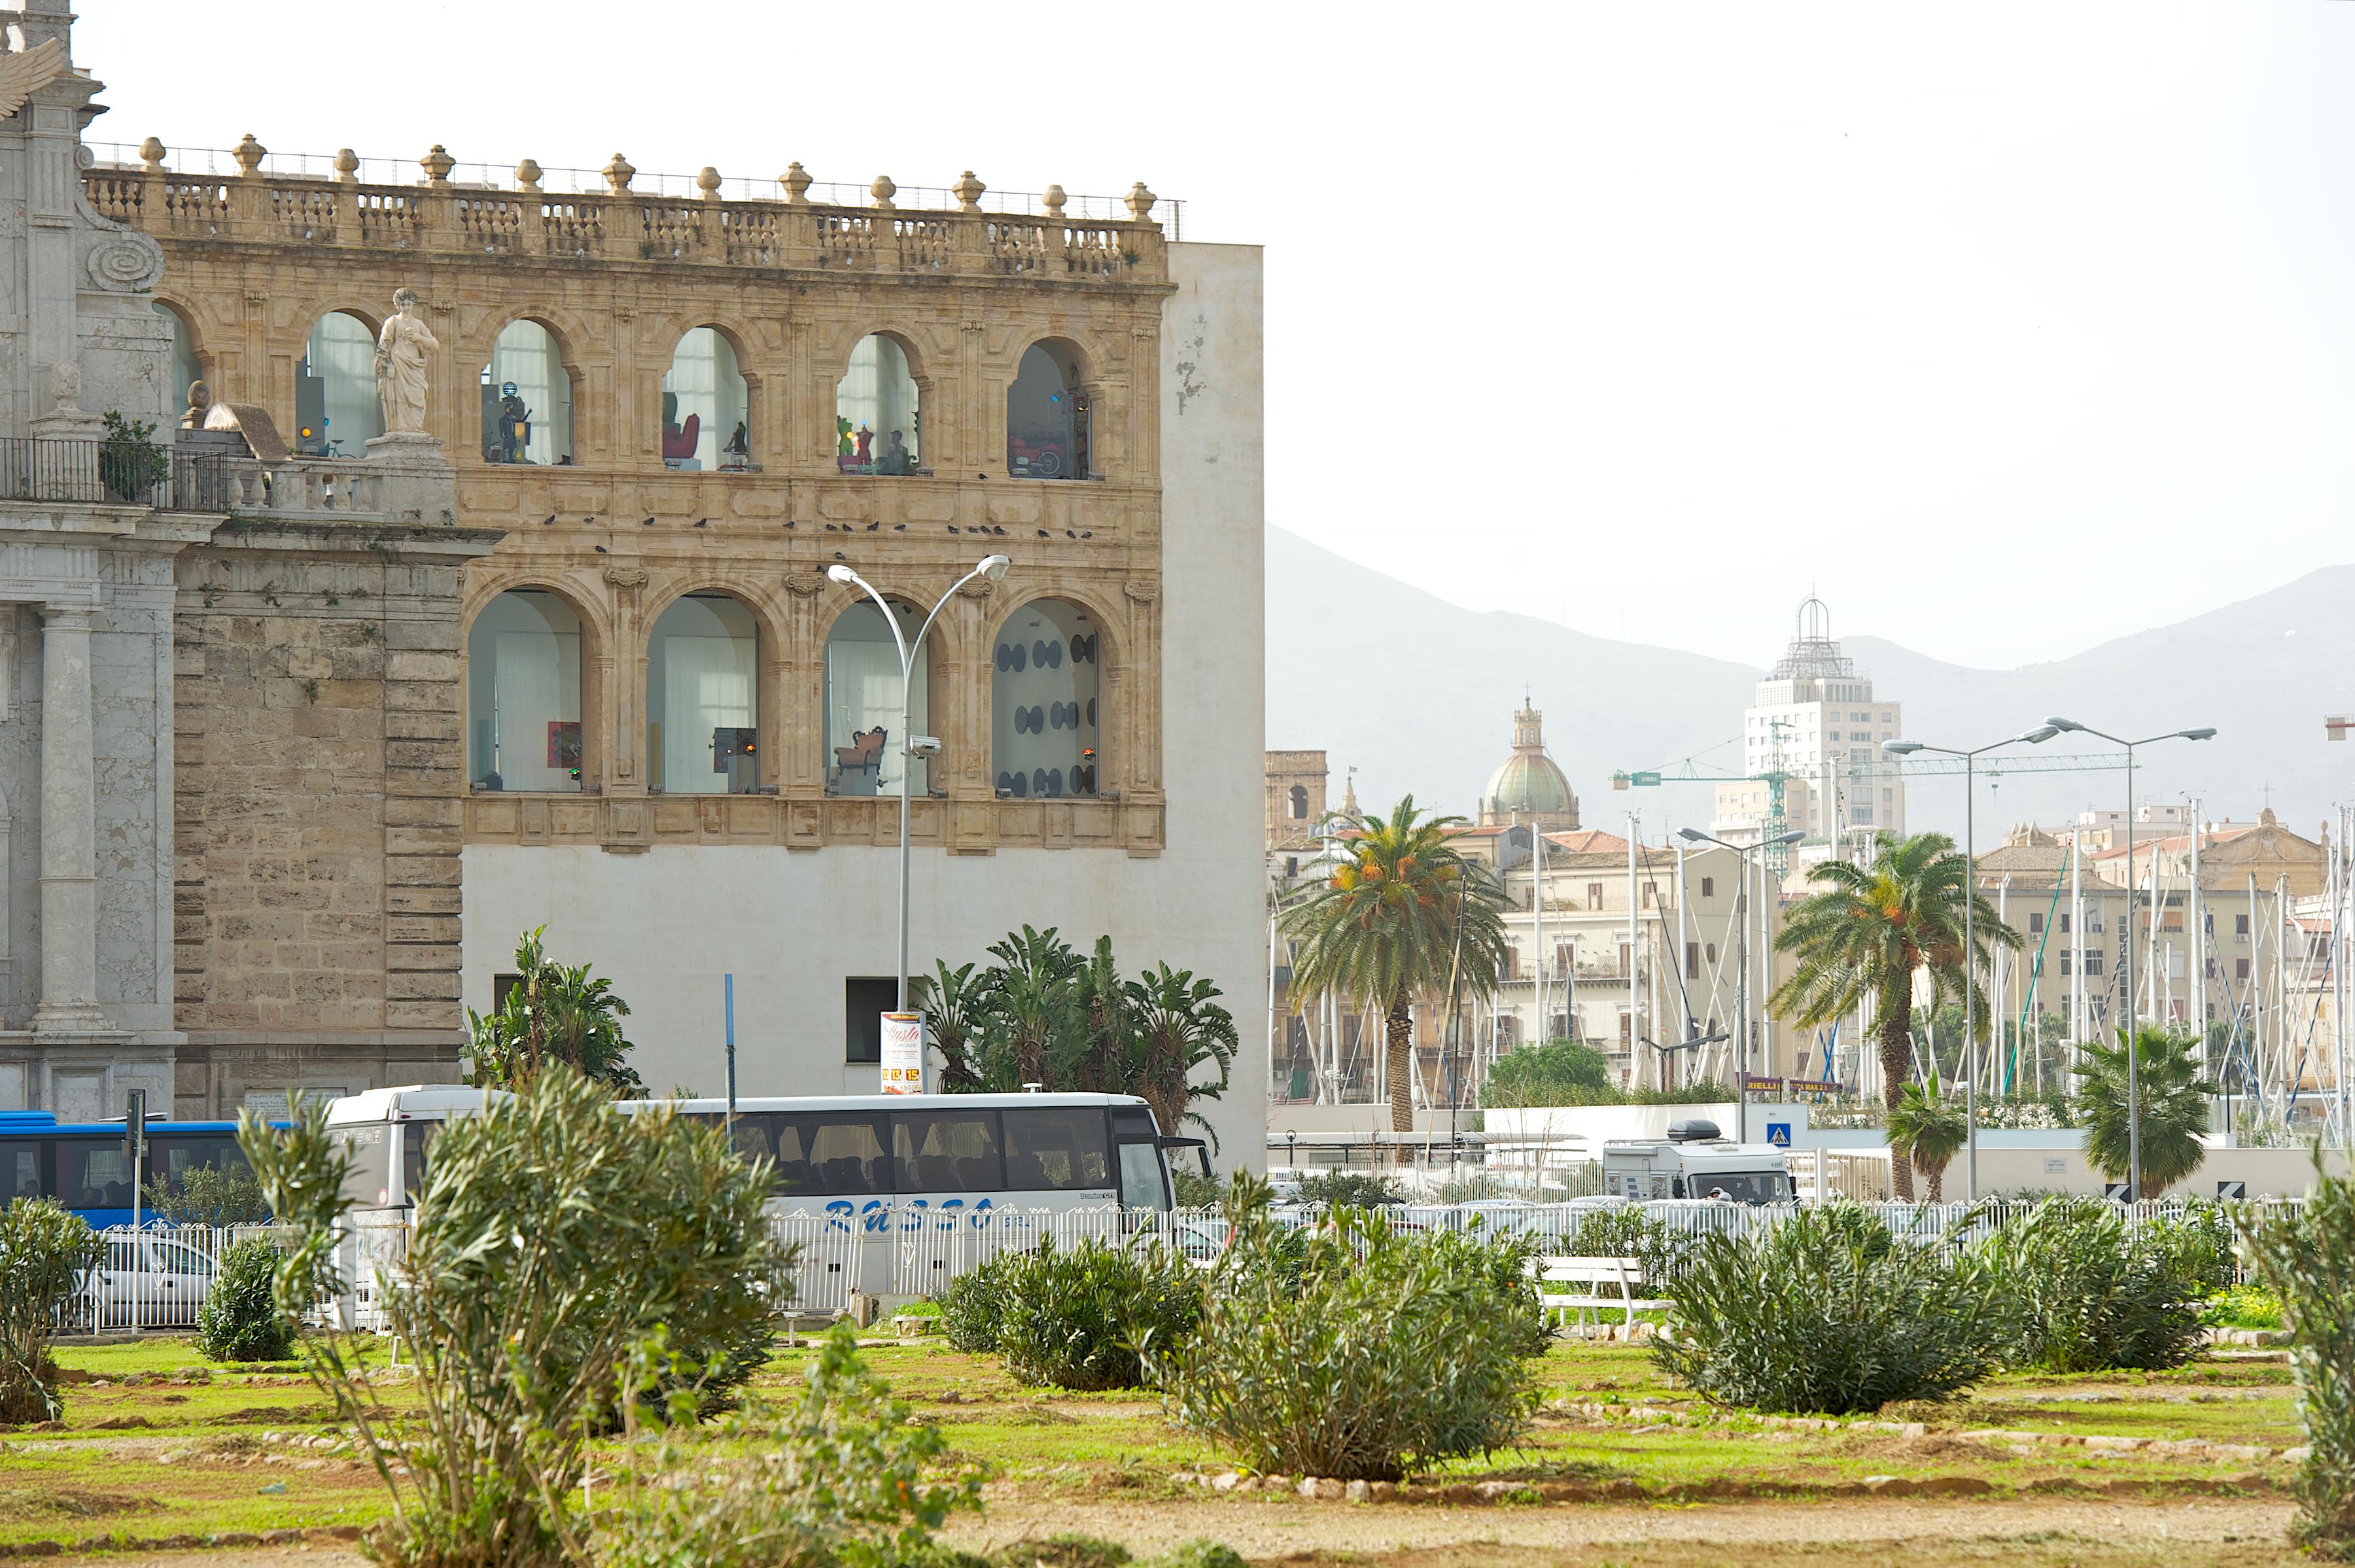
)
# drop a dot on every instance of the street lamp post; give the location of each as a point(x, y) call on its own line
point(2134, 1063)
point(993, 567)
point(1742, 974)
point(1970, 903)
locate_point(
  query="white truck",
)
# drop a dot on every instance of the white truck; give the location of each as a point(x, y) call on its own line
point(1695, 1161)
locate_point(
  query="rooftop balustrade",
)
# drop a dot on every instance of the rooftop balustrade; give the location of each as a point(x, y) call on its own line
point(248, 193)
point(45, 471)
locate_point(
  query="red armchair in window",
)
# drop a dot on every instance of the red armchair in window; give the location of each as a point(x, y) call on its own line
point(680, 442)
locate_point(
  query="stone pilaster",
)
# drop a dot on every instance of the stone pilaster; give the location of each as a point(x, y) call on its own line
point(69, 829)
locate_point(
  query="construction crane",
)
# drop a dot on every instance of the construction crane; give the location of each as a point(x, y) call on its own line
point(1775, 776)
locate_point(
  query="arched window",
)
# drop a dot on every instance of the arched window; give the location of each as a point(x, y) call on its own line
point(865, 752)
point(527, 398)
point(877, 428)
point(1043, 702)
point(185, 367)
point(705, 406)
point(523, 694)
point(336, 407)
point(1299, 802)
point(1047, 416)
point(701, 697)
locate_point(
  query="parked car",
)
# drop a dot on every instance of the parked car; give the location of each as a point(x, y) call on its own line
point(147, 1280)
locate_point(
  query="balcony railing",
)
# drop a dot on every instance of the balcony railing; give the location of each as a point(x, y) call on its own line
point(50, 471)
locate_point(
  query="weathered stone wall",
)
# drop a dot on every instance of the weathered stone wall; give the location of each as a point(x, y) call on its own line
point(319, 769)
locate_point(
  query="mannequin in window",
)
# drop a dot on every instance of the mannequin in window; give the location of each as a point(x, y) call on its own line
point(739, 445)
point(894, 459)
point(515, 425)
point(842, 444)
point(865, 452)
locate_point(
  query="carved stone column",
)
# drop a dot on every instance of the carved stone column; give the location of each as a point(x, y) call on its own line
point(629, 671)
point(69, 829)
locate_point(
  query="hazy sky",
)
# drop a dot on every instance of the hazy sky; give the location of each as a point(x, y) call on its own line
point(2010, 327)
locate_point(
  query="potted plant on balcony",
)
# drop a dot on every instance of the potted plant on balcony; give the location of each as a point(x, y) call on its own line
point(131, 461)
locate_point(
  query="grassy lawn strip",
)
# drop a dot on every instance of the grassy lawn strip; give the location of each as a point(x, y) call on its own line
point(173, 1456)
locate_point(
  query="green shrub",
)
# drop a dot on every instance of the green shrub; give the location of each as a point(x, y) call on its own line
point(1195, 1191)
point(46, 1254)
point(1823, 1313)
point(1074, 1318)
point(1501, 1265)
point(1626, 1231)
point(2243, 1307)
point(2308, 1261)
point(1385, 1351)
point(837, 1477)
point(1065, 1549)
point(974, 1305)
point(553, 1236)
point(2086, 1291)
point(1199, 1554)
point(1351, 1190)
point(239, 1320)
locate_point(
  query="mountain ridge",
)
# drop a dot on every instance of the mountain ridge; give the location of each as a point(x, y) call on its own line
point(1418, 694)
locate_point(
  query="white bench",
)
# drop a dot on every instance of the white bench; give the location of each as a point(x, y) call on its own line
point(1594, 1274)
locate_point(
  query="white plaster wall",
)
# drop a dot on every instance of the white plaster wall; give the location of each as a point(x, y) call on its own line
point(790, 925)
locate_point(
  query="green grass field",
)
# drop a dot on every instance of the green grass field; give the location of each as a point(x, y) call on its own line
point(238, 1449)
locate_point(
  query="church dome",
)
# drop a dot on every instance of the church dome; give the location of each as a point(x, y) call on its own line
point(1528, 787)
point(1531, 785)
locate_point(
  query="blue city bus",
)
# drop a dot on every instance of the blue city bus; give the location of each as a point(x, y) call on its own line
point(82, 1164)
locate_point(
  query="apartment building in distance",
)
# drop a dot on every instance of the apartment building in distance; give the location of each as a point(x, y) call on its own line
point(1815, 722)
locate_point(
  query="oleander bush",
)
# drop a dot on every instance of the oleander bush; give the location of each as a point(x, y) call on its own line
point(2307, 1260)
point(1627, 1231)
point(554, 1237)
point(841, 1477)
point(2087, 1291)
point(1385, 1351)
point(974, 1306)
point(1824, 1313)
point(1073, 1317)
point(46, 1254)
point(241, 1319)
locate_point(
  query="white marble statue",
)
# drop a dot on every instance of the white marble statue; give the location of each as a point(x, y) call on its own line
point(401, 350)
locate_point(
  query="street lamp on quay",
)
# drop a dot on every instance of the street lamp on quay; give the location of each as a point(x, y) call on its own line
point(992, 567)
point(1742, 981)
point(2035, 737)
point(2134, 1063)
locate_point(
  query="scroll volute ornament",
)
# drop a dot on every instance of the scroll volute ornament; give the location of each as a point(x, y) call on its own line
point(804, 584)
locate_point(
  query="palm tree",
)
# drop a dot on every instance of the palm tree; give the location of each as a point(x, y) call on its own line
point(1400, 918)
point(1926, 1130)
point(1868, 933)
point(553, 1012)
point(2174, 1106)
point(954, 1005)
point(1175, 1026)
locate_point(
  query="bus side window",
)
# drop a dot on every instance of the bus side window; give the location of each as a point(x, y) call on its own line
point(20, 1171)
point(837, 1153)
point(417, 1141)
point(947, 1151)
point(1055, 1147)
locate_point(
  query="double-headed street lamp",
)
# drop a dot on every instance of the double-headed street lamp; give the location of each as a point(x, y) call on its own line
point(2134, 1065)
point(993, 567)
point(1742, 977)
point(1970, 902)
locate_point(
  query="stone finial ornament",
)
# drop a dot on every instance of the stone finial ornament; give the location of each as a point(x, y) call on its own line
point(437, 162)
point(796, 181)
point(151, 154)
point(967, 190)
point(618, 174)
point(528, 176)
point(249, 154)
point(707, 180)
point(1140, 202)
point(347, 167)
point(883, 191)
point(1053, 201)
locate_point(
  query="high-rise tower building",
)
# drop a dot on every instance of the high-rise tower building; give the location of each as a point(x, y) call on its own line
point(1816, 724)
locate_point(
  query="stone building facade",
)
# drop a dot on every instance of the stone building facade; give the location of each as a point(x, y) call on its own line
point(756, 838)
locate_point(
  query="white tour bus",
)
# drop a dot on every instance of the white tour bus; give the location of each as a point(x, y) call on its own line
point(849, 1157)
